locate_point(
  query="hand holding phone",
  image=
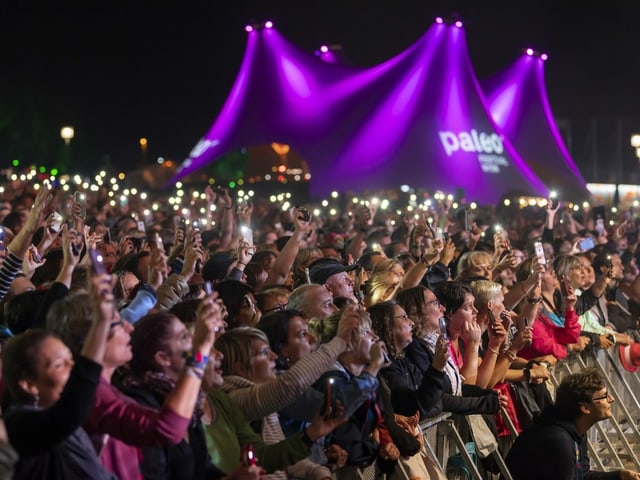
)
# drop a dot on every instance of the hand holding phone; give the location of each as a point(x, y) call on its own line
point(539, 250)
point(80, 199)
point(97, 261)
point(304, 212)
point(442, 323)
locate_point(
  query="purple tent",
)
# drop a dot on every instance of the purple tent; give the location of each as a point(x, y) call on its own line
point(418, 119)
point(518, 102)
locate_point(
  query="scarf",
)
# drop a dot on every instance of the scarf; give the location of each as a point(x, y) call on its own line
point(161, 385)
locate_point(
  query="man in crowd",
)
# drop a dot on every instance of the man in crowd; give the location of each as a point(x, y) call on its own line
point(555, 447)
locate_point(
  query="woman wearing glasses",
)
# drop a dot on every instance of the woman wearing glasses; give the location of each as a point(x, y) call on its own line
point(241, 305)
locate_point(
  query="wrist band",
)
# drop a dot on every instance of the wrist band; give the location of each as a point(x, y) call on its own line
point(194, 372)
point(196, 360)
point(494, 350)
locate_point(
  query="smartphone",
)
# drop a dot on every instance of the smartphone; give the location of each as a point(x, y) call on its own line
point(207, 288)
point(564, 286)
point(2, 234)
point(553, 197)
point(385, 356)
point(328, 394)
point(442, 322)
point(586, 244)
point(304, 211)
point(492, 318)
point(35, 256)
point(539, 249)
point(81, 199)
point(97, 261)
point(439, 234)
point(183, 225)
point(248, 455)
point(247, 234)
point(56, 222)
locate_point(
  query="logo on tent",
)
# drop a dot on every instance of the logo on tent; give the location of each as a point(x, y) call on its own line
point(488, 146)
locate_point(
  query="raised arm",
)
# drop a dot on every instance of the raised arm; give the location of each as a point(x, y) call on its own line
point(284, 261)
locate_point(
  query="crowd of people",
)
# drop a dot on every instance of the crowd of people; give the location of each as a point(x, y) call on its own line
point(255, 339)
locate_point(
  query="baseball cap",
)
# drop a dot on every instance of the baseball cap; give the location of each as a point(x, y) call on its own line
point(321, 269)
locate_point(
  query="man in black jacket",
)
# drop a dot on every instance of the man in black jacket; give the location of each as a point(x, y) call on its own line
point(555, 447)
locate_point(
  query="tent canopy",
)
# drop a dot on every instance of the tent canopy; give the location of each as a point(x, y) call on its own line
point(418, 119)
point(518, 102)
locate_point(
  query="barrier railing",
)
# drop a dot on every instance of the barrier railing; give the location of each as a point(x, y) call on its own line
point(613, 444)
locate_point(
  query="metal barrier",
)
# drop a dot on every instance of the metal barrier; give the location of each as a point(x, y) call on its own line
point(613, 443)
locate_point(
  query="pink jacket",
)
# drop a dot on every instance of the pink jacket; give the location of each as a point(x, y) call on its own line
point(116, 419)
point(550, 339)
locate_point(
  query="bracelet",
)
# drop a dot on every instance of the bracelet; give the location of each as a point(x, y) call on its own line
point(534, 300)
point(424, 260)
point(510, 355)
point(227, 208)
point(194, 372)
point(196, 360)
point(494, 350)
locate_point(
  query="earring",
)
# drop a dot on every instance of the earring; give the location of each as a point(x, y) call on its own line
point(287, 361)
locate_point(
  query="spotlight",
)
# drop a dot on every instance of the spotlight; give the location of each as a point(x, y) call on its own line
point(544, 57)
point(324, 49)
point(248, 29)
point(458, 24)
point(529, 51)
point(439, 20)
point(268, 24)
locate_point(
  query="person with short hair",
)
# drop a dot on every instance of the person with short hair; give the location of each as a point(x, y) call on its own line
point(556, 446)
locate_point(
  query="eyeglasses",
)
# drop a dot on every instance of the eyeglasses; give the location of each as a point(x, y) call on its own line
point(277, 308)
point(436, 303)
point(119, 323)
point(404, 316)
point(251, 305)
point(602, 397)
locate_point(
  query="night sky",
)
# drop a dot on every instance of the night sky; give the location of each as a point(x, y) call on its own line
point(118, 71)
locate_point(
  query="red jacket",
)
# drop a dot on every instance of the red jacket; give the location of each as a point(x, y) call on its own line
point(550, 339)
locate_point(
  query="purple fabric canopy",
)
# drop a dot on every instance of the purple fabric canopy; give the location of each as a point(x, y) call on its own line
point(418, 119)
point(518, 103)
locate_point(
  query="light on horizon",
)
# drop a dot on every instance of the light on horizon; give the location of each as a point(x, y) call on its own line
point(67, 133)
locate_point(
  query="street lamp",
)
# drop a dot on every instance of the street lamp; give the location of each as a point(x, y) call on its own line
point(66, 133)
point(635, 143)
point(143, 151)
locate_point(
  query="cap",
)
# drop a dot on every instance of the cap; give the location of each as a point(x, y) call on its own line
point(217, 266)
point(630, 356)
point(321, 269)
